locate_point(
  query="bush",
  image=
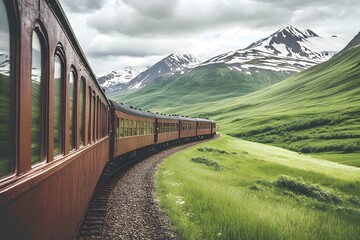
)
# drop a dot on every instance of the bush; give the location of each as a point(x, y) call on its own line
point(208, 163)
point(303, 188)
point(215, 150)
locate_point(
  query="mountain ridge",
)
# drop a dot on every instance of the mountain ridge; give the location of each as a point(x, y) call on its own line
point(117, 79)
point(172, 63)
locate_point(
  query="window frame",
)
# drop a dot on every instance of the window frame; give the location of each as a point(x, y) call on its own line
point(59, 51)
point(44, 115)
point(73, 123)
point(14, 72)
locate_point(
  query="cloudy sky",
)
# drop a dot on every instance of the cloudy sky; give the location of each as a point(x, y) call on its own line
point(138, 33)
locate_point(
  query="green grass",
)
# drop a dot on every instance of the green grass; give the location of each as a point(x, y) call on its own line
point(315, 112)
point(250, 198)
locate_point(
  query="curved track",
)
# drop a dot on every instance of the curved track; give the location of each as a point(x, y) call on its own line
point(125, 207)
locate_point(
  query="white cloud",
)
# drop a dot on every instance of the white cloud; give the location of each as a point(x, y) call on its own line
point(119, 33)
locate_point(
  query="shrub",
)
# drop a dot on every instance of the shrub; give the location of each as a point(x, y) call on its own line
point(303, 188)
point(208, 162)
point(215, 150)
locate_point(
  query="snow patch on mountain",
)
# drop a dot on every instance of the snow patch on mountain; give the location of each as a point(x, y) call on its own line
point(288, 49)
point(117, 79)
point(171, 64)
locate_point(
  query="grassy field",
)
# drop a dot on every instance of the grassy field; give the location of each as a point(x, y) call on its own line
point(314, 112)
point(234, 189)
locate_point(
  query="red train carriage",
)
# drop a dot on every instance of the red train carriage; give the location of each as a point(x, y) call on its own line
point(133, 129)
point(187, 128)
point(167, 128)
point(213, 127)
point(54, 121)
point(203, 127)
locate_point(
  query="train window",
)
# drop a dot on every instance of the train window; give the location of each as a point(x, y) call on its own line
point(97, 117)
point(6, 110)
point(89, 117)
point(122, 127)
point(126, 127)
point(82, 98)
point(117, 128)
point(135, 128)
point(37, 102)
point(130, 127)
point(58, 86)
point(94, 117)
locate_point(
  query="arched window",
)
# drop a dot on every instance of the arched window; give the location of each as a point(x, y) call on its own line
point(82, 98)
point(37, 101)
point(6, 94)
point(58, 87)
point(94, 117)
point(89, 117)
point(72, 108)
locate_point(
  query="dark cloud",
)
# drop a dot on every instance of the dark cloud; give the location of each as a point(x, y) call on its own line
point(294, 5)
point(187, 17)
point(154, 8)
point(83, 6)
point(134, 47)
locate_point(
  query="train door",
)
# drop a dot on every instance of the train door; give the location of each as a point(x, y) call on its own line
point(156, 127)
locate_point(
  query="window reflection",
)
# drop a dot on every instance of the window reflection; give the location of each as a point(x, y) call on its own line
point(6, 126)
point(58, 102)
point(72, 109)
point(82, 111)
point(89, 124)
point(36, 103)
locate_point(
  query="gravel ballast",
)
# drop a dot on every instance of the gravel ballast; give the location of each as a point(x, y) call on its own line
point(132, 211)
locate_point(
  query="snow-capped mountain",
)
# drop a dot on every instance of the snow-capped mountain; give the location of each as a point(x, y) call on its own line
point(172, 63)
point(117, 79)
point(353, 43)
point(288, 49)
point(4, 64)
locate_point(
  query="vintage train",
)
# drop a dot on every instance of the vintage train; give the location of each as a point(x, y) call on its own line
point(58, 130)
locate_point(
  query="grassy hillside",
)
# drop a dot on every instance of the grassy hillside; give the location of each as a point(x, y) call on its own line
point(203, 84)
point(316, 111)
point(234, 189)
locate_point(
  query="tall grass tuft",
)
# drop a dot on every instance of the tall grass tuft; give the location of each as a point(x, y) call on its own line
point(299, 186)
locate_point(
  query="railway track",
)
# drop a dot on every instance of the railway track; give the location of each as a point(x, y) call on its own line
point(94, 220)
point(124, 205)
point(93, 223)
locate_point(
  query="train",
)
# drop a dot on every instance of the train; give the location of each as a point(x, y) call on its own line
point(58, 129)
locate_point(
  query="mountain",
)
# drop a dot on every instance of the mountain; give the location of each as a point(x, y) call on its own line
point(353, 43)
point(117, 79)
point(4, 64)
point(237, 73)
point(288, 49)
point(316, 111)
point(172, 63)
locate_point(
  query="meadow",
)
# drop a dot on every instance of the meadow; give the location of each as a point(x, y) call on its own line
point(230, 188)
point(315, 112)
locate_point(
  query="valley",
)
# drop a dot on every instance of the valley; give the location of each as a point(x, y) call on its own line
point(315, 111)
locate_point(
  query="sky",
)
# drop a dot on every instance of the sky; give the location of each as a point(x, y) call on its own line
point(138, 33)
